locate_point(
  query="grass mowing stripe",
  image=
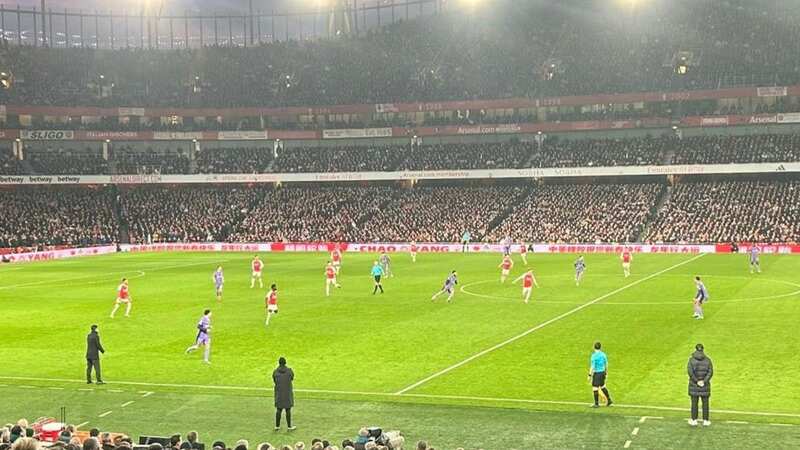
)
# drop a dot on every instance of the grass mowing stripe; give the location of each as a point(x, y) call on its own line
point(542, 325)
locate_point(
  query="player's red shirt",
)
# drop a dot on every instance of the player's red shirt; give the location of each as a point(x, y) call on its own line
point(626, 257)
point(528, 280)
point(256, 265)
point(506, 264)
point(272, 298)
point(336, 256)
point(123, 291)
point(413, 248)
point(523, 249)
point(330, 273)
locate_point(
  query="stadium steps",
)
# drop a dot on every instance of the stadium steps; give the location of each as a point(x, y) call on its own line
point(494, 223)
point(122, 221)
point(662, 199)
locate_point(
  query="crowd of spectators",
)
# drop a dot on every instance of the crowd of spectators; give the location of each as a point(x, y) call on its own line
point(738, 149)
point(129, 160)
point(510, 155)
point(738, 211)
point(59, 161)
point(41, 217)
point(764, 211)
point(9, 164)
point(234, 160)
point(580, 213)
point(333, 213)
point(526, 49)
point(23, 435)
point(185, 214)
point(550, 152)
point(603, 152)
point(439, 214)
point(339, 159)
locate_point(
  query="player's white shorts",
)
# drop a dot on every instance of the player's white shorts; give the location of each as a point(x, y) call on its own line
point(626, 265)
point(256, 274)
point(336, 263)
point(122, 300)
point(504, 272)
point(272, 308)
point(526, 291)
point(331, 280)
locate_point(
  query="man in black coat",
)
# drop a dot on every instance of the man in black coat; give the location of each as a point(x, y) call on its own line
point(284, 393)
point(93, 350)
point(700, 371)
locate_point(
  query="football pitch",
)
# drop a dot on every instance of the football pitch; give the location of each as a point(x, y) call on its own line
point(486, 371)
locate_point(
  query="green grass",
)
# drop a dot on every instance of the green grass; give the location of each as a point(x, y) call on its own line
point(354, 352)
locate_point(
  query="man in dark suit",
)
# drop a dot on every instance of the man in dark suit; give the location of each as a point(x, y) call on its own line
point(93, 350)
point(284, 393)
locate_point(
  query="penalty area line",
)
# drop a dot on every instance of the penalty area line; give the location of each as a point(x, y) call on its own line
point(542, 325)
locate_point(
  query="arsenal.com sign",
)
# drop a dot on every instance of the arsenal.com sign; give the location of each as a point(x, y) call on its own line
point(47, 135)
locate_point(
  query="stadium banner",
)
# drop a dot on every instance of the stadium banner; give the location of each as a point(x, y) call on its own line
point(113, 135)
point(47, 135)
point(242, 135)
point(123, 112)
point(196, 247)
point(404, 247)
point(58, 254)
point(356, 133)
point(9, 134)
point(716, 121)
point(772, 91)
point(183, 135)
point(763, 119)
point(405, 175)
point(788, 118)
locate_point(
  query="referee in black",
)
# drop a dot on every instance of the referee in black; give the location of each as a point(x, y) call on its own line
point(598, 367)
point(93, 350)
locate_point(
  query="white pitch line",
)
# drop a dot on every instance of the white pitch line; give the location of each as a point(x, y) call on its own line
point(128, 403)
point(105, 414)
point(82, 424)
point(147, 394)
point(115, 390)
point(644, 418)
point(56, 388)
point(542, 325)
point(627, 444)
point(781, 425)
point(737, 422)
point(635, 431)
point(426, 396)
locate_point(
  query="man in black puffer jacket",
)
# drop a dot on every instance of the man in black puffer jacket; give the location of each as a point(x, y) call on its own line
point(700, 371)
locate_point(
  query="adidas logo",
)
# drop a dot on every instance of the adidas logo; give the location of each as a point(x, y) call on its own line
point(780, 168)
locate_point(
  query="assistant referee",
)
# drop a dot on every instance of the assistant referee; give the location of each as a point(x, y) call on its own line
point(598, 367)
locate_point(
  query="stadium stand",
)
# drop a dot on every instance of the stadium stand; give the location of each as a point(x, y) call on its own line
point(439, 214)
point(339, 159)
point(730, 211)
point(553, 152)
point(188, 214)
point(132, 161)
point(234, 160)
point(66, 217)
point(580, 214)
point(419, 60)
point(310, 214)
point(23, 435)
